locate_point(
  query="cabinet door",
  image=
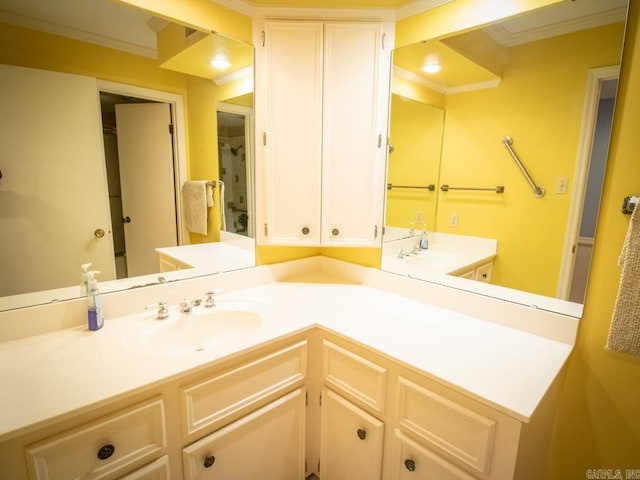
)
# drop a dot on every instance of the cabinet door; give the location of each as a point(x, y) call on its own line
point(355, 107)
point(483, 272)
point(289, 95)
point(267, 445)
point(351, 441)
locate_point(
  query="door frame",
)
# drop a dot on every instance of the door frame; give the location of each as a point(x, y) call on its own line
point(248, 114)
point(179, 137)
point(583, 160)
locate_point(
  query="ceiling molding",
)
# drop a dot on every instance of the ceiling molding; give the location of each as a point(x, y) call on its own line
point(245, 72)
point(239, 6)
point(441, 88)
point(501, 35)
point(418, 6)
point(372, 14)
point(76, 34)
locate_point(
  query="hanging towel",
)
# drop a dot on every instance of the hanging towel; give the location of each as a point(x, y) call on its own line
point(223, 216)
point(209, 193)
point(624, 332)
point(195, 203)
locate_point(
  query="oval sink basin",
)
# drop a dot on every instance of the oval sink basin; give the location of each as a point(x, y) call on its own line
point(203, 328)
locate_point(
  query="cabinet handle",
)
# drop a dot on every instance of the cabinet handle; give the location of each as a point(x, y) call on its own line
point(209, 461)
point(484, 275)
point(106, 451)
point(335, 232)
point(305, 230)
point(410, 465)
point(362, 434)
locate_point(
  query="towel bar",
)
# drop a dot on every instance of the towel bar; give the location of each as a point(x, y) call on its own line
point(498, 189)
point(431, 187)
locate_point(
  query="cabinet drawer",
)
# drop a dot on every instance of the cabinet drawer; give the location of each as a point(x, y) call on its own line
point(102, 449)
point(267, 444)
point(209, 402)
point(158, 470)
point(411, 461)
point(446, 425)
point(354, 376)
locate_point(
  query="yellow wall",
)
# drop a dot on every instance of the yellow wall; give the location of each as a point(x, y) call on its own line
point(598, 423)
point(416, 135)
point(540, 105)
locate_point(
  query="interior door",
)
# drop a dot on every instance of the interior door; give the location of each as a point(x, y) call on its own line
point(145, 154)
point(53, 192)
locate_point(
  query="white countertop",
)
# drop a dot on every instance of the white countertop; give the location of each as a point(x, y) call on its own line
point(51, 376)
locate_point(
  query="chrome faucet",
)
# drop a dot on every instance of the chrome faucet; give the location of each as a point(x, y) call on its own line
point(186, 306)
point(405, 253)
point(163, 312)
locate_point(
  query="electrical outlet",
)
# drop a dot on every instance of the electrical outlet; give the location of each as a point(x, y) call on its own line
point(562, 185)
point(454, 220)
point(419, 216)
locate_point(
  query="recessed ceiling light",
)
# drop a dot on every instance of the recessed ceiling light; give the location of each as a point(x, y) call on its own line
point(431, 67)
point(220, 62)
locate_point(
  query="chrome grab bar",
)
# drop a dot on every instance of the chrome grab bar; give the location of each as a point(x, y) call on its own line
point(431, 187)
point(498, 189)
point(538, 192)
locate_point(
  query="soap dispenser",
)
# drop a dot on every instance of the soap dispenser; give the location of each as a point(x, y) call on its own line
point(424, 239)
point(85, 278)
point(94, 304)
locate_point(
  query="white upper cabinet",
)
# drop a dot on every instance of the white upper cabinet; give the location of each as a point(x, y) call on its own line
point(322, 92)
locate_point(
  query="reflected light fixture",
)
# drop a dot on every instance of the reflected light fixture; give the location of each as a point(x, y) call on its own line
point(431, 67)
point(220, 62)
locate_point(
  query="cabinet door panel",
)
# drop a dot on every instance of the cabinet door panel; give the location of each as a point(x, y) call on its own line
point(289, 92)
point(351, 441)
point(352, 162)
point(267, 445)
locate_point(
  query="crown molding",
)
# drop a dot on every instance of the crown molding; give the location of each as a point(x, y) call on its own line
point(418, 6)
point(440, 87)
point(371, 14)
point(501, 35)
point(77, 34)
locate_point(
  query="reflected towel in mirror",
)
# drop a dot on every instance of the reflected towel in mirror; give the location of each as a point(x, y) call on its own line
point(197, 196)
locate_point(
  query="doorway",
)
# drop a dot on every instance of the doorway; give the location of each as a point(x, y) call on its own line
point(593, 150)
point(139, 157)
point(236, 168)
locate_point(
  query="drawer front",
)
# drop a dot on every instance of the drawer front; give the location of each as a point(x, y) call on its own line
point(208, 403)
point(354, 376)
point(267, 444)
point(102, 449)
point(447, 425)
point(158, 470)
point(411, 461)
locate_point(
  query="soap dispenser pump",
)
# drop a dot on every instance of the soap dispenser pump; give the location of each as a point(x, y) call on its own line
point(85, 278)
point(424, 239)
point(94, 307)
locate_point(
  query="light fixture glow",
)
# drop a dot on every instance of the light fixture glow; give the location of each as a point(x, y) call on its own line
point(220, 62)
point(431, 67)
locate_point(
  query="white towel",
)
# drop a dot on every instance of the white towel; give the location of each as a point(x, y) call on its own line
point(194, 205)
point(624, 332)
point(223, 215)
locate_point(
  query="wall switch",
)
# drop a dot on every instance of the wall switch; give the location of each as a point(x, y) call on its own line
point(562, 185)
point(419, 216)
point(454, 220)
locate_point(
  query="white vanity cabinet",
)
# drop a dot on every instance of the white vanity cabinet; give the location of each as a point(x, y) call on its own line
point(103, 449)
point(321, 125)
point(351, 439)
point(267, 444)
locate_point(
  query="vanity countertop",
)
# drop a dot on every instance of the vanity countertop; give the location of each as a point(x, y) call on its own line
point(48, 377)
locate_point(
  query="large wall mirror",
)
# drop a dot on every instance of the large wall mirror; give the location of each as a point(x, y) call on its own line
point(540, 87)
point(126, 142)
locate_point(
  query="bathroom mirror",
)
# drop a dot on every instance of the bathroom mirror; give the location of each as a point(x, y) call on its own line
point(109, 208)
point(547, 80)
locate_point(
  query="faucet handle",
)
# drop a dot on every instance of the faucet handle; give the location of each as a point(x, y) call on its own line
point(210, 301)
point(163, 312)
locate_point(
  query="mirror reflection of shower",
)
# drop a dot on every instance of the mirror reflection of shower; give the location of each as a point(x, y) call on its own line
point(234, 171)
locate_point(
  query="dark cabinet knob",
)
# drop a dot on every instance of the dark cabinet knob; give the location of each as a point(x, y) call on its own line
point(126, 220)
point(305, 230)
point(335, 232)
point(410, 464)
point(106, 451)
point(362, 434)
point(209, 461)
